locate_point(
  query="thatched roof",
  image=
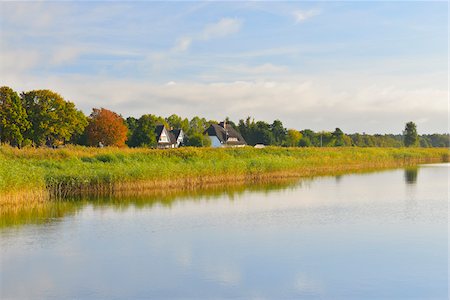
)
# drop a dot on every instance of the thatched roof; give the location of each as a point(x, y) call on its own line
point(224, 132)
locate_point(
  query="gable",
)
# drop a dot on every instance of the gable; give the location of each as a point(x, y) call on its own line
point(164, 136)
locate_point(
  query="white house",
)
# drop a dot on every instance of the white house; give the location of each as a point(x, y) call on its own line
point(223, 135)
point(177, 136)
point(168, 139)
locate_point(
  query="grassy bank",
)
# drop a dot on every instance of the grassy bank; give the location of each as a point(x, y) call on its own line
point(37, 174)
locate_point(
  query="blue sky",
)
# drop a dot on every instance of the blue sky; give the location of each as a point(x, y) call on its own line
point(361, 66)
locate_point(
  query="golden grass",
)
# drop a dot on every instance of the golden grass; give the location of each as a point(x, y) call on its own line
point(35, 175)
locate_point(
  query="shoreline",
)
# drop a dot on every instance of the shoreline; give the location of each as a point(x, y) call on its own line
point(78, 171)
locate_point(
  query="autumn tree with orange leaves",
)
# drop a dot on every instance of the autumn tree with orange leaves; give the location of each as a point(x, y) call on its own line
point(106, 127)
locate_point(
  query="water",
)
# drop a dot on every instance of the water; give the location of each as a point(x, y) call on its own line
point(379, 236)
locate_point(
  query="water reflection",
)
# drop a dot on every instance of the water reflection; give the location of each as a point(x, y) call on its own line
point(44, 212)
point(411, 175)
point(318, 238)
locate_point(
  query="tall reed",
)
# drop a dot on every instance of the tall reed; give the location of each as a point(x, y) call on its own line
point(77, 170)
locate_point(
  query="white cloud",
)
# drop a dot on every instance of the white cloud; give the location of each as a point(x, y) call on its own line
point(182, 44)
point(18, 60)
point(264, 69)
point(303, 15)
point(222, 28)
point(33, 15)
point(354, 104)
point(65, 54)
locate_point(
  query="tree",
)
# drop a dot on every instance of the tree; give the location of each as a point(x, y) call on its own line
point(144, 132)
point(106, 127)
point(293, 138)
point(305, 142)
point(198, 140)
point(263, 134)
point(195, 136)
point(13, 118)
point(257, 132)
point(178, 122)
point(53, 119)
point(340, 139)
point(325, 139)
point(410, 136)
point(309, 138)
point(197, 125)
point(278, 132)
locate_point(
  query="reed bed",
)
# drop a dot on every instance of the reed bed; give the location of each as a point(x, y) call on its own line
point(34, 175)
point(41, 212)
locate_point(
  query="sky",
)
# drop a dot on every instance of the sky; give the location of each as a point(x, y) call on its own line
point(360, 66)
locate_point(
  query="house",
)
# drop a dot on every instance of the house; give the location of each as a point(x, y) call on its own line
point(223, 135)
point(168, 138)
point(177, 136)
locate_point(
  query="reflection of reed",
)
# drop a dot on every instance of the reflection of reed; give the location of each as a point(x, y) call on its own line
point(147, 194)
point(44, 211)
point(79, 171)
point(411, 175)
point(62, 191)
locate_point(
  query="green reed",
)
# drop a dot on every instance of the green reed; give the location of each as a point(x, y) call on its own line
point(80, 170)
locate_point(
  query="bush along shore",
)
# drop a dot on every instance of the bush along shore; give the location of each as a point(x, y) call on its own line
point(40, 174)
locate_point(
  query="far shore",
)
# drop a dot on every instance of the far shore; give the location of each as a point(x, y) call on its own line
point(37, 175)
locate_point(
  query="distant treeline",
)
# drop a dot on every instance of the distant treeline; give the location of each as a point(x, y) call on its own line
point(43, 117)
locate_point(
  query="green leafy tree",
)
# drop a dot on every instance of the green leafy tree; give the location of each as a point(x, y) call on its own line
point(257, 132)
point(245, 129)
point(197, 125)
point(13, 118)
point(309, 138)
point(278, 132)
point(293, 138)
point(325, 139)
point(195, 134)
point(198, 140)
point(263, 134)
point(178, 122)
point(411, 138)
point(437, 140)
point(53, 119)
point(144, 132)
point(424, 142)
point(339, 139)
point(131, 123)
point(305, 142)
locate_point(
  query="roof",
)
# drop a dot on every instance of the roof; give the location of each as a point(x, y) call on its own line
point(173, 134)
point(158, 130)
point(176, 133)
point(223, 135)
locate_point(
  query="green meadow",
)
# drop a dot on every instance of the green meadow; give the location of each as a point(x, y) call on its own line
point(43, 173)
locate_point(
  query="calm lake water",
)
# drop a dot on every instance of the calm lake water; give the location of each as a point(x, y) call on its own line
point(378, 235)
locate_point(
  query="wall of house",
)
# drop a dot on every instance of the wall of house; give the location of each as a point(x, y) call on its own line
point(215, 143)
point(180, 138)
point(164, 137)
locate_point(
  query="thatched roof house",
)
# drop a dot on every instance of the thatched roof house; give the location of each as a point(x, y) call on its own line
point(223, 135)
